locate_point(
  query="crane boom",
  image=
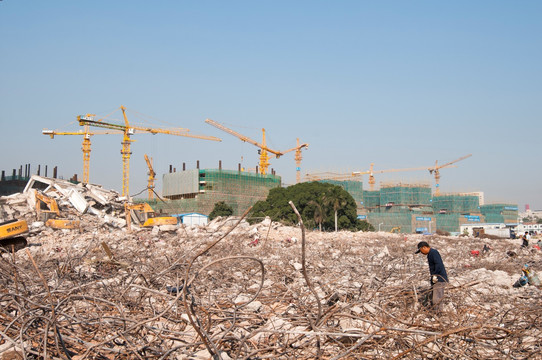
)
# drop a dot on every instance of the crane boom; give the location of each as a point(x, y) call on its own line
point(298, 147)
point(132, 128)
point(264, 157)
point(451, 162)
point(242, 137)
point(53, 133)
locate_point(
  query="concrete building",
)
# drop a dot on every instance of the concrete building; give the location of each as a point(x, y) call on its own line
point(198, 190)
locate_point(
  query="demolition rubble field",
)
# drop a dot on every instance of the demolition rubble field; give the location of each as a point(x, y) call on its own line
point(257, 291)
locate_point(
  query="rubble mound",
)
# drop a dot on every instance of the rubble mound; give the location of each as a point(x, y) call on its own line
point(232, 290)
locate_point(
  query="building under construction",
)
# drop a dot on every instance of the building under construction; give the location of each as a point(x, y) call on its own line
point(412, 208)
point(198, 190)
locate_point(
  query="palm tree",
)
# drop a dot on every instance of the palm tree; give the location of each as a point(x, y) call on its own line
point(318, 214)
point(333, 197)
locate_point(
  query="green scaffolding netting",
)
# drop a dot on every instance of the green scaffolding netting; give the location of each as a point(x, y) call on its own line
point(456, 203)
point(240, 190)
point(354, 188)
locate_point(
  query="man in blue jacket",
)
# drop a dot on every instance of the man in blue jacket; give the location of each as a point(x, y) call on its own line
point(439, 278)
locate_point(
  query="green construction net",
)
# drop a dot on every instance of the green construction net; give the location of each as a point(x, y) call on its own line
point(456, 204)
point(354, 188)
point(371, 200)
point(500, 213)
point(240, 190)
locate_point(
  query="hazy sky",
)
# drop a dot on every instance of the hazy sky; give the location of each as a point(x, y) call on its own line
point(397, 83)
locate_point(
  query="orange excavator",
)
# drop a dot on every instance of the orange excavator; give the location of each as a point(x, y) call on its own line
point(47, 210)
point(144, 215)
point(12, 234)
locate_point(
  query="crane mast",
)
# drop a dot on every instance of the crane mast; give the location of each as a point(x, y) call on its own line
point(298, 157)
point(264, 157)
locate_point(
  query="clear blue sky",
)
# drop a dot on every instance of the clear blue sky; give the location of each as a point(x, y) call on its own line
point(397, 83)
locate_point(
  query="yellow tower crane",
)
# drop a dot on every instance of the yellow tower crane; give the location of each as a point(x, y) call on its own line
point(152, 176)
point(435, 170)
point(86, 133)
point(128, 130)
point(264, 150)
point(298, 158)
point(264, 157)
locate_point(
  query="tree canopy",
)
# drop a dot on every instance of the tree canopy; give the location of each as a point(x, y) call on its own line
point(316, 202)
point(221, 209)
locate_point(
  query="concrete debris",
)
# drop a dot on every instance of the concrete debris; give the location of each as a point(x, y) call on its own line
point(119, 294)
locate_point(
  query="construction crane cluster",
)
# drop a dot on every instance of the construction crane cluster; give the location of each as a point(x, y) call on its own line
point(127, 130)
point(357, 175)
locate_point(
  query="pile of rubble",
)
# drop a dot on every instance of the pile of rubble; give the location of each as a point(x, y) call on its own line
point(90, 203)
point(231, 290)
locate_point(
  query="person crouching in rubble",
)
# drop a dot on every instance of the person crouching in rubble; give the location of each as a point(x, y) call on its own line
point(439, 278)
point(528, 276)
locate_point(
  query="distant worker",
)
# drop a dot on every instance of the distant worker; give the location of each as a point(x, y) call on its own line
point(525, 240)
point(486, 248)
point(439, 278)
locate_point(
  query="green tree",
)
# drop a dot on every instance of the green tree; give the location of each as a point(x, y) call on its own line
point(364, 225)
point(309, 200)
point(221, 209)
